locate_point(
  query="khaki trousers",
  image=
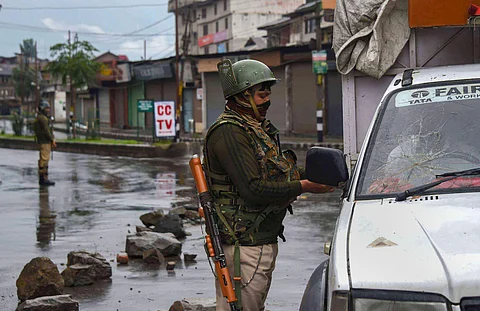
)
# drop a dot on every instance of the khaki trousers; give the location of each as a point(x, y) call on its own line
point(45, 150)
point(255, 293)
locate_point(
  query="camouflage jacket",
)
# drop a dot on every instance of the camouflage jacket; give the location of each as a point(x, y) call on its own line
point(42, 130)
point(253, 220)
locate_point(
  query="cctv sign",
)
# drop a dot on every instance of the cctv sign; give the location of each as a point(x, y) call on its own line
point(164, 119)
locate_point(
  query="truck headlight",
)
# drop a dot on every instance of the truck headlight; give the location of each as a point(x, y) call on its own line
point(397, 301)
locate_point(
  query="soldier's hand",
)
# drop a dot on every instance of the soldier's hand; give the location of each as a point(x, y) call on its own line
point(54, 144)
point(308, 186)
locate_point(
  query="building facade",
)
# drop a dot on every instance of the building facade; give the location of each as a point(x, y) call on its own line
point(301, 27)
point(8, 99)
point(220, 26)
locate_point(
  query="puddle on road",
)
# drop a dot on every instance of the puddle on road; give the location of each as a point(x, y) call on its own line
point(97, 202)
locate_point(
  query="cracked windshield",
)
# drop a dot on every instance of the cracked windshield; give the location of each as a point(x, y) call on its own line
point(425, 132)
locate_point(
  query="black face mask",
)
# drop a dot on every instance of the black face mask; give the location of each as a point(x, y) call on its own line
point(262, 109)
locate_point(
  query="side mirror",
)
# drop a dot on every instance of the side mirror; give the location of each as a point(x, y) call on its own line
point(326, 166)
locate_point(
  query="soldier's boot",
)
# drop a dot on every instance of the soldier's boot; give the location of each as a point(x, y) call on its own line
point(43, 178)
point(47, 181)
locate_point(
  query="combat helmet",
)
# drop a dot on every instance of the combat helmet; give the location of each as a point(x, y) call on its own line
point(242, 75)
point(43, 105)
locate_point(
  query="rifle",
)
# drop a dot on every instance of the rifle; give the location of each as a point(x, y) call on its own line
point(51, 131)
point(212, 238)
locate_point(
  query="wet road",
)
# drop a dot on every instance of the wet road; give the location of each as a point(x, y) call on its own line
point(98, 200)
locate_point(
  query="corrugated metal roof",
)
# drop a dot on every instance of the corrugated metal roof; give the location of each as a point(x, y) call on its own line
point(276, 23)
point(306, 6)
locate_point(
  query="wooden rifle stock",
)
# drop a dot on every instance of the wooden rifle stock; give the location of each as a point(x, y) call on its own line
point(212, 237)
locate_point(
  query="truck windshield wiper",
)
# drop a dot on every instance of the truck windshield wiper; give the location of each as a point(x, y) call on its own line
point(420, 189)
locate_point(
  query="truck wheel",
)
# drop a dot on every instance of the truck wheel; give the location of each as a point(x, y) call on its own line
point(315, 295)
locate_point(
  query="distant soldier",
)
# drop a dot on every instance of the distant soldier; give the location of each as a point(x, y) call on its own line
point(45, 140)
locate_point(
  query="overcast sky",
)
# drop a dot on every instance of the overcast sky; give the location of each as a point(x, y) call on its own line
point(49, 27)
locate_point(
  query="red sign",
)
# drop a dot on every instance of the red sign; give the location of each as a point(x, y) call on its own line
point(205, 40)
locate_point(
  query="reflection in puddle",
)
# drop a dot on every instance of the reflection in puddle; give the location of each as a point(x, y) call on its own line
point(46, 220)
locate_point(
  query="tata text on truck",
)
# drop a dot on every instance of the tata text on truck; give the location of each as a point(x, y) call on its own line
point(408, 234)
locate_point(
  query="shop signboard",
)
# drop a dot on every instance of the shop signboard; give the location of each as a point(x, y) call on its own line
point(319, 62)
point(164, 112)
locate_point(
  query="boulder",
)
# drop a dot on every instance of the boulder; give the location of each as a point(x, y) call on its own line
point(100, 265)
point(150, 219)
point(153, 256)
point(79, 275)
point(192, 215)
point(189, 257)
point(180, 211)
point(166, 243)
point(194, 304)
point(171, 223)
point(40, 277)
point(142, 229)
point(49, 303)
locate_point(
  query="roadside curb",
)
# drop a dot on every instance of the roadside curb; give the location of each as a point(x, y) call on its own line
point(134, 151)
point(144, 138)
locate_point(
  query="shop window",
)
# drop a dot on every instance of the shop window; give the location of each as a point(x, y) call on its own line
point(207, 50)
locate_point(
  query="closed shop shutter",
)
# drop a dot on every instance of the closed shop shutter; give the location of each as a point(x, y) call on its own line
point(88, 110)
point(104, 106)
point(276, 112)
point(214, 97)
point(304, 105)
point(135, 92)
point(119, 106)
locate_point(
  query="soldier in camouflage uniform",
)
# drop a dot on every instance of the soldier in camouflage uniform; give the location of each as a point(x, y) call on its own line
point(45, 140)
point(252, 181)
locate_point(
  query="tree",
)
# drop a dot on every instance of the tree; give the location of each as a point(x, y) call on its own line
point(23, 82)
point(28, 51)
point(23, 76)
point(75, 66)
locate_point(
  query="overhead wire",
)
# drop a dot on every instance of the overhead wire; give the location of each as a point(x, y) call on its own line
point(141, 5)
point(46, 29)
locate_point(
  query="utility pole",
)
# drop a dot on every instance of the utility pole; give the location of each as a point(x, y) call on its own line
point(177, 78)
point(321, 124)
point(37, 87)
point(144, 50)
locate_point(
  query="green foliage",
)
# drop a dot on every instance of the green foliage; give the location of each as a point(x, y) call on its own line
point(23, 79)
point(28, 51)
point(23, 76)
point(16, 137)
point(17, 124)
point(75, 62)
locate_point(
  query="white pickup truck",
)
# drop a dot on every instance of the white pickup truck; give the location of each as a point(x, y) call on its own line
point(408, 234)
